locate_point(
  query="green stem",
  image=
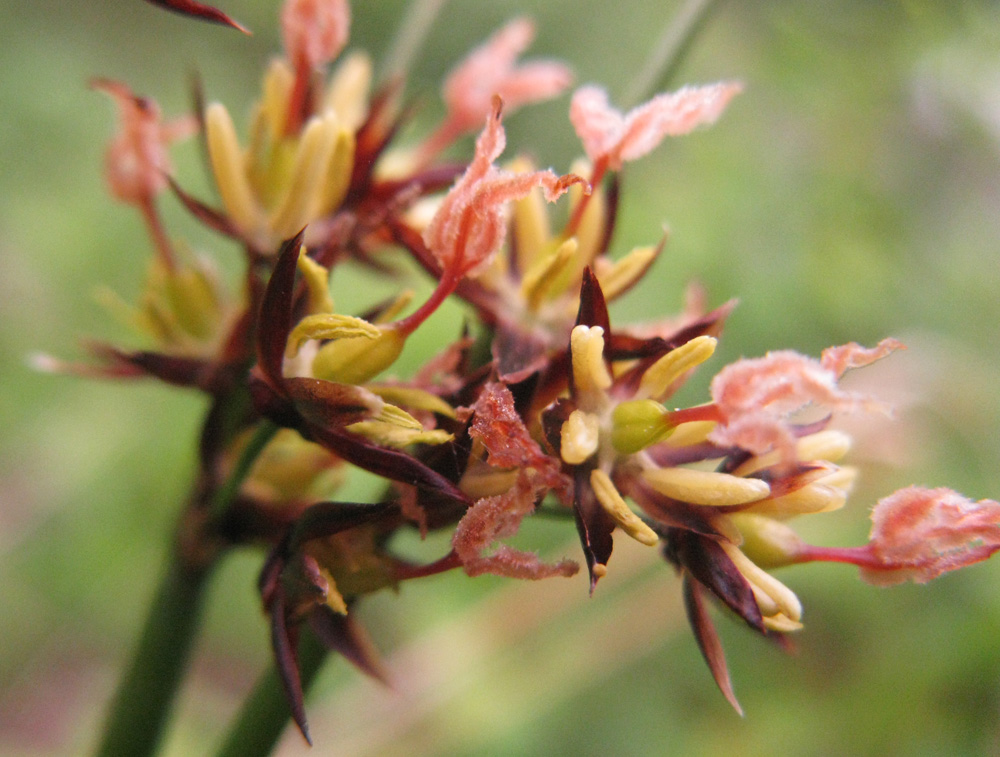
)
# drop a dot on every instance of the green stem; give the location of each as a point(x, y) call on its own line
point(670, 50)
point(265, 714)
point(226, 493)
point(144, 698)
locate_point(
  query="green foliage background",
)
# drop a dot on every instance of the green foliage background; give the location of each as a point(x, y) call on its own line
point(852, 192)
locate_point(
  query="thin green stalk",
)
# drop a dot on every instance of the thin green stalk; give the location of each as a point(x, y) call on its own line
point(146, 693)
point(413, 31)
point(143, 702)
point(670, 50)
point(226, 493)
point(265, 714)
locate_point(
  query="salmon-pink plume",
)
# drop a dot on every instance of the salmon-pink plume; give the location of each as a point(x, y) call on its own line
point(918, 534)
point(495, 518)
point(137, 163)
point(314, 31)
point(613, 138)
point(469, 227)
point(755, 397)
point(852, 355)
point(492, 69)
point(497, 424)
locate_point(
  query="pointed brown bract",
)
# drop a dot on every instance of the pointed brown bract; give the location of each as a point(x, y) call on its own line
point(200, 11)
point(346, 636)
point(593, 307)
point(292, 588)
point(275, 320)
point(708, 639)
point(709, 564)
point(594, 526)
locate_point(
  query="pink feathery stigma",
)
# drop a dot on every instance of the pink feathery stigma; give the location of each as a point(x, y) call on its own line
point(469, 227)
point(315, 31)
point(136, 162)
point(919, 533)
point(499, 427)
point(756, 396)
point(610, 136)
point(841, 359)
point(492, 69)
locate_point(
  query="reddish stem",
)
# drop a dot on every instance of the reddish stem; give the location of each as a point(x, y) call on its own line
point(298, 102)
point(405, 571)
point(156, 231)
point(862, 556)
point(700, 413)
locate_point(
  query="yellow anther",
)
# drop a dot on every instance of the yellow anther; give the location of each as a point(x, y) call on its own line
point(694, 432)
point(636, 424)
point(331, 595)
point(326, 326)
point(784, 598)
point(590, 374)
point(338, 173)
point(822, 496)
point(706, 487)
point(484, 481)
point(781, 624)
point(347, 93)
point(278, 83)
point(228, 168)
point(579, 437)
point(829, 445)
point(590, 231)
point(355, 360)
point(531, 222)
point(193, 299)
point(665, 371)
point(305, 193)
point(394, 427)
point(617, 277)
point(411, 397)
point(317, 280)
point(769, 543)
point(618, 509)
point(539, 279)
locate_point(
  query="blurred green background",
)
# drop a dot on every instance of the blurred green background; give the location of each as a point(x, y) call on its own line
point(852, 192)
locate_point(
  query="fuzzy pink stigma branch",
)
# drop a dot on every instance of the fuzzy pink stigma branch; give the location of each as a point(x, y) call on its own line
point(491, 70)
point(918, 534)
point(757, 396)
point(136, 164)
point(470, 226)
point(314, 32)
point(610, 138)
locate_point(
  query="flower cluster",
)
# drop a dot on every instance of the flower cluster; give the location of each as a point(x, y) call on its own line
point(547, 402)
